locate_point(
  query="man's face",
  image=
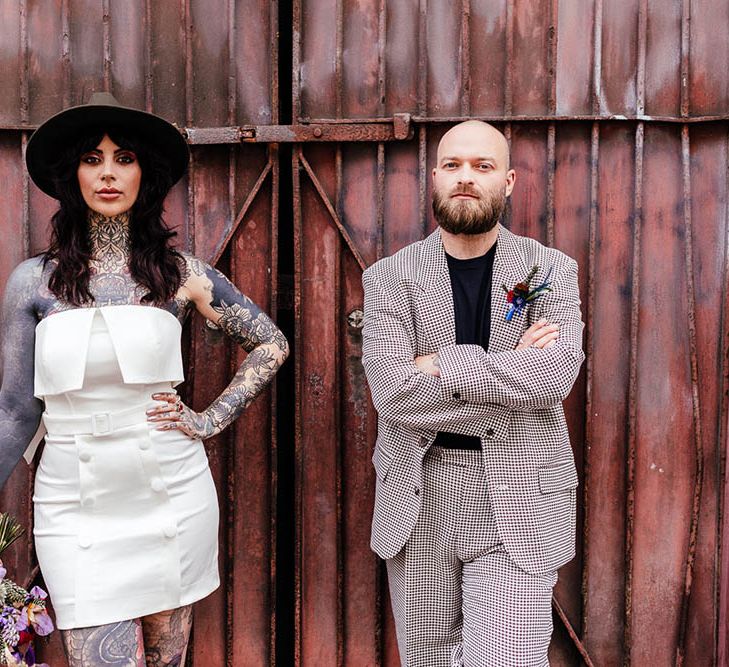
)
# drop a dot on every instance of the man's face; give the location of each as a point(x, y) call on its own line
point(471, 180)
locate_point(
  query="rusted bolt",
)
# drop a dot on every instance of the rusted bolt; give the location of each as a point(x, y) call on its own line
point(402, 127)
point(355, 319)
point(317, 132)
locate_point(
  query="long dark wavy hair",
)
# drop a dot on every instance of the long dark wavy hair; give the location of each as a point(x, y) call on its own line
point(153, 264)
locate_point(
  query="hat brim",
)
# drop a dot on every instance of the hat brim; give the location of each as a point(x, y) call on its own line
point(52, 137)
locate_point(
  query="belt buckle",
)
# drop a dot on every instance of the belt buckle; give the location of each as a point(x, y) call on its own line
point(101, 424)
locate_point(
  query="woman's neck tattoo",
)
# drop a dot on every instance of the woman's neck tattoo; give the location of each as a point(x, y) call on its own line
point(110, 242)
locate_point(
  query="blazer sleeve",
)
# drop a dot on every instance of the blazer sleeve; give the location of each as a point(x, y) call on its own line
point(401, 393)
point(528, 378)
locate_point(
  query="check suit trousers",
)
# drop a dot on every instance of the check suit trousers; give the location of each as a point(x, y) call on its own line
point(458, 598)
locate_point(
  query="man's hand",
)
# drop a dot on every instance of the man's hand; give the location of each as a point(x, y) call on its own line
point(428, 364)
point(540, 335)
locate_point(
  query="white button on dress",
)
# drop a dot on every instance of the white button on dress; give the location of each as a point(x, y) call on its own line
point(126, 519)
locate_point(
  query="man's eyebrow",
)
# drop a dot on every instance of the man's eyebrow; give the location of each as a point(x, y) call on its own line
point(481, 158)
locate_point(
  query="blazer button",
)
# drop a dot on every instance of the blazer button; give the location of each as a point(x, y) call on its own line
point(457, 395)
point(416, 491)
point(423, 441)
point(489, 433)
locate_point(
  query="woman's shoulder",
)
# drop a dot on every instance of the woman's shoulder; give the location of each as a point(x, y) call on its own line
point(29, 273)
point(193, 266)
point(197, 274)
point(27, 283)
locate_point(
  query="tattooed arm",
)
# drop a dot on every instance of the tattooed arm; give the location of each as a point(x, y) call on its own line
point(19, 411)
point(218, 300)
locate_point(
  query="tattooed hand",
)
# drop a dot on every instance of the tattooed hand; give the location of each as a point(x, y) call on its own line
point(174, 414)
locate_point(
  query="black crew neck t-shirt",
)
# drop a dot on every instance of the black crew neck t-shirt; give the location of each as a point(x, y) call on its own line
point(471, 285)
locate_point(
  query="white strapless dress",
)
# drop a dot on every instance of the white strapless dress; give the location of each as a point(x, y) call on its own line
point(126, 517)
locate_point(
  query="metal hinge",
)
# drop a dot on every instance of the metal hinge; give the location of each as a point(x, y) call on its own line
point(397, 128)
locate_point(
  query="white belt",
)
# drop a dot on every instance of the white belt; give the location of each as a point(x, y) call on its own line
point(98, 424)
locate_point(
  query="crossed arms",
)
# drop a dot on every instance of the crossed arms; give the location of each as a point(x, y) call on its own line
point(473, 383)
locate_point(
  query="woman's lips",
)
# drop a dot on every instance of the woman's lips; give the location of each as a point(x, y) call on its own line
point(108, 194)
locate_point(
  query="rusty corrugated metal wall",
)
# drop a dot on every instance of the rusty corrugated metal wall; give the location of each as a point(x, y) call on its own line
point(616, 112)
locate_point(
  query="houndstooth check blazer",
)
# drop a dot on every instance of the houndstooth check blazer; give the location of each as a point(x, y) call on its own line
point(511, 399)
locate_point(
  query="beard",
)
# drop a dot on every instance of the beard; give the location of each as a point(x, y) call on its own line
point(469, 216)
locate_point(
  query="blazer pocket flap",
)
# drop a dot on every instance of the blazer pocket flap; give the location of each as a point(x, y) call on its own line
point(558, 478)
point(381, 459)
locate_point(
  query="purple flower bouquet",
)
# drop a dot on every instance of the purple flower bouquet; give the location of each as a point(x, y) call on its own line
point(23, 614)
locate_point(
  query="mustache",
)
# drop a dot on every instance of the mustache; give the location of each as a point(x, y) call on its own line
point(465, 190)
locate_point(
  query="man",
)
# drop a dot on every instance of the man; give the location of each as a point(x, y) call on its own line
point(475, 501)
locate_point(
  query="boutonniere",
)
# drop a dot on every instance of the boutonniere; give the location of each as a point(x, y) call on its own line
point(521, 294)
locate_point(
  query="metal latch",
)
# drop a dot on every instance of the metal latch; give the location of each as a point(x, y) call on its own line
point(398, 128)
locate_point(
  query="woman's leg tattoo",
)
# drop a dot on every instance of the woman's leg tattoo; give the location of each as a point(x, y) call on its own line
point(166, 635)
point(114, 645)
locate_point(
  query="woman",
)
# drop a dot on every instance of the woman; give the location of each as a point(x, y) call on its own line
point(125, 509)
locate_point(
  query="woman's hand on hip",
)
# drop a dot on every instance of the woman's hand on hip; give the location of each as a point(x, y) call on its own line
point(173, 414)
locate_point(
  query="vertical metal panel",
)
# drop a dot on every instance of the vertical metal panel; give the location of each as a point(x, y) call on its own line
point(167, 69)
point(723, 552)
point(443, 30)
point(529, 159)
point(319, 400)
point(128, 65)
point(574, 67)
point(209, 76)
point(663, 58)
point(86, 29)
point(47, 45)
point(573, 234)
point(708, 197)
point(531, 48)
point(609, 313)
point(664, 459)
point(488, 56)
point(708, 83)
point(401, 51)
point(10, 18)
point(620, 45)
point(252, 454)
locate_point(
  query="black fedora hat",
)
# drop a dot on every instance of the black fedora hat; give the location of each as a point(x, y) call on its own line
point(102, 111)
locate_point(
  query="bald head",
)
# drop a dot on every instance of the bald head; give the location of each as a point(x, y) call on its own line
point(474, 135)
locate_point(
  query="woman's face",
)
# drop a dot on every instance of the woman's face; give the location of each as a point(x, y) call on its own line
point(109, 178)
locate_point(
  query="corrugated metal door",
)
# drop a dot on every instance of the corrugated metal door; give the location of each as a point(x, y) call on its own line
point(201, 64)
point(616, 116)
point(616, 113)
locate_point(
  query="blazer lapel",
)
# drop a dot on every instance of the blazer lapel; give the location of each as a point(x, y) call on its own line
point(434, 317)
point(508, 270)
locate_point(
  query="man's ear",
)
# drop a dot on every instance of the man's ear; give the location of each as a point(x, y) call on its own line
point(510, 180)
